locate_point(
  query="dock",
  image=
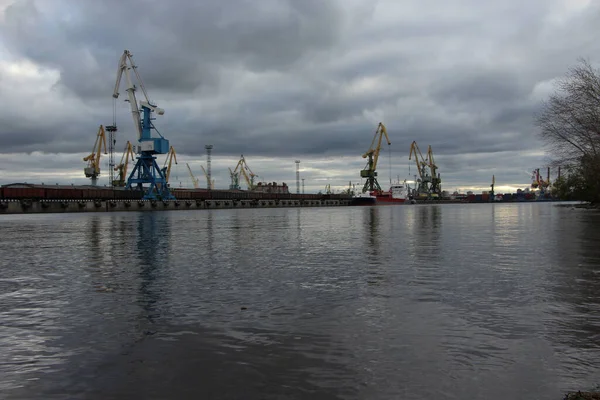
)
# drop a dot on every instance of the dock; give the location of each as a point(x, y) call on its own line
point(28, 199)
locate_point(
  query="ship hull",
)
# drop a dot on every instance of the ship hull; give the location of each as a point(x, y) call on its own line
point(388, 200)
point(363, 201)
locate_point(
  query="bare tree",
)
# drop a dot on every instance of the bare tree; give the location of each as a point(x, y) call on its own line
point(570, 119)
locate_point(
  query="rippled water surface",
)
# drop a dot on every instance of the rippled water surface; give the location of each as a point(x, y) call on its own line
point(411, 302)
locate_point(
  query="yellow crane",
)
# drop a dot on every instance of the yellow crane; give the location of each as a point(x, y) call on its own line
point(370, 170)
point(194, 179)
point(121, 180)
point(166, 169)
point(422, 189)
point(539, 182)
point(244, 170)
point(211, 184)
point(436, 181)
point(93, 167)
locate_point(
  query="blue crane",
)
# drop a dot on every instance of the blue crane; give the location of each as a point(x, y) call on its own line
point(146, 175)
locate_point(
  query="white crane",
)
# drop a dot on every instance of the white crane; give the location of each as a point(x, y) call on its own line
point(135, 111)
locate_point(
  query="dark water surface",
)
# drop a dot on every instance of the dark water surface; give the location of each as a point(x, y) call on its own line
point(401, 302)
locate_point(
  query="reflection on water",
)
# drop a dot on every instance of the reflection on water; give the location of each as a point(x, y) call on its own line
point(153, 249)
point(372, 225)
point(487, 301)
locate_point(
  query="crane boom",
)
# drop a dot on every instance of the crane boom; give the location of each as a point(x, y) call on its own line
point(172, 155)
point(194, 179)
point(370, 170)
point(419, 159)
point(211, 184)
point(243, 169)
point(122, 167)
point(93, 159)
point(423, 189)
point(374, 151)
point(436, 180)
point(124, 69)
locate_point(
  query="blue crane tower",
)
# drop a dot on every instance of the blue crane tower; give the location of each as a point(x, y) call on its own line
point(146, 175)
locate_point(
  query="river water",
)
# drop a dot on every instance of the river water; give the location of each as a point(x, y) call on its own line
point(480, 301)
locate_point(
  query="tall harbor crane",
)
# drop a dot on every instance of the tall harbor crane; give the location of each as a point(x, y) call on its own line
point(146, 170)
point(194, 179)
point(210, 184)
point(435, 189)
point(93, 167)
point(235, 180)
point(422, 189)
point(370, 170)
point(242, 169)
point(247, 173)
point(122, 167)
point(166, 169)
point(539, 182)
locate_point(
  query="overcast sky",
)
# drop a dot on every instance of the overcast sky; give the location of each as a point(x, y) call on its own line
point(286, 80)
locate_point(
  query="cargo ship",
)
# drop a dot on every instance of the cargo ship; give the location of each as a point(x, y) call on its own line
point(397, 194)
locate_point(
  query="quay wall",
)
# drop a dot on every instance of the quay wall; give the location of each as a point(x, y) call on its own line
point(28, 206)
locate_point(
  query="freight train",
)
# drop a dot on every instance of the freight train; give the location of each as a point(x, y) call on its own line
point(20, 191)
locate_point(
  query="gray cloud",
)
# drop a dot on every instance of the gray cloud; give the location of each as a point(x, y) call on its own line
point(280, 80)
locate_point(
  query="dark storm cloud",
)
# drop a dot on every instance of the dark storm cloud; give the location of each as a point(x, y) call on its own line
point(180, 44)
point(479, 87)
point(295, 79)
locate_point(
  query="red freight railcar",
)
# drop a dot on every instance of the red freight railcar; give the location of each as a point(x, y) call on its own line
point(220, 194)
point(63, 194)
point(121, 194)
point(200, 194)
point(98, 194)
point(24, 193)
point(126, 194)
point(182, 194)
point(239, 195)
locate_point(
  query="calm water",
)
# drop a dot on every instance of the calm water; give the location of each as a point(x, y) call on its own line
point(411, 302)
